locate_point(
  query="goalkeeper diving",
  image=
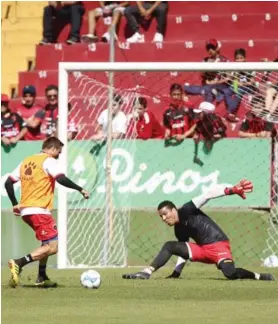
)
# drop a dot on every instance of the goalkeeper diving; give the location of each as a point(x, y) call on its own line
point(211, 245)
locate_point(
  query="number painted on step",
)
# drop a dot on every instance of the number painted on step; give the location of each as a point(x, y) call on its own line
point(58, 47)
point(42, 74)
point(92, 47)
point(107, 20)
point(159, 45)
point(188, 44)
point(205, 18)
point(124, 45)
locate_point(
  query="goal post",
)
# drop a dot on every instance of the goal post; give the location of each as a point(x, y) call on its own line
point(87, 219)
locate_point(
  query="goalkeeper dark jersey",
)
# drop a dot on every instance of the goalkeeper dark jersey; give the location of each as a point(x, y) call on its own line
point(197, 225)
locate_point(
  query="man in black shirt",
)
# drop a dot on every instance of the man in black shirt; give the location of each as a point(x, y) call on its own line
point(212, 244)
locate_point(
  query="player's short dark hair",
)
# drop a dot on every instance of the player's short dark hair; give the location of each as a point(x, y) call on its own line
point(166, 203)
point(176, 86)
point(240, 51)
point(117, 98)
point(52, 142)
point(51, 87)
point(142, 101)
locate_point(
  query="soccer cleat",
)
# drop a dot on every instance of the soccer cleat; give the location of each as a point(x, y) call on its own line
point(137, 275)
point(45, 282)
point(15, 271)
point(267, 277)
point(174, 275)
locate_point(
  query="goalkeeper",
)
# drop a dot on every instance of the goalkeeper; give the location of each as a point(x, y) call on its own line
point(212, 244)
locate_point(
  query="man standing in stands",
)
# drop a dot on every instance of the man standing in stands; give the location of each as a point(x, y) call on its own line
point(143, 123)
point(178, 119)
point(27, 110)
point(13, 127)
point(67, 12)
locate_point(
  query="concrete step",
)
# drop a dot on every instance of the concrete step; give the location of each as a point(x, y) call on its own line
point(32, 24)
point(30, 9)
point(21, 37)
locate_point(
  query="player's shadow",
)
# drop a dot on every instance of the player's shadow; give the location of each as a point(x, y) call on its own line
point(172, 142)
point(8, 148)
point(207, 146)
point(95, 150)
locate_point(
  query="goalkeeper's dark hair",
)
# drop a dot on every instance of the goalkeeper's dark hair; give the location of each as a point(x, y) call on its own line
point(117, 98)
point(52, 142)
point(166, 203)
point(142, 101)
point(176, 86)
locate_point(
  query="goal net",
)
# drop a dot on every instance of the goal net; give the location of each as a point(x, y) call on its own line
point(127, 177)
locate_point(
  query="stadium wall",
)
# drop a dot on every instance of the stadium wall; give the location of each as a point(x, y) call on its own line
point(148, 172)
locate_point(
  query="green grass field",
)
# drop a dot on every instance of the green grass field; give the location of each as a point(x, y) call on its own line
point(201, 296)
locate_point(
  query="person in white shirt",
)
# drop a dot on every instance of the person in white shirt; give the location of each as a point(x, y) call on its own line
point(119, 121)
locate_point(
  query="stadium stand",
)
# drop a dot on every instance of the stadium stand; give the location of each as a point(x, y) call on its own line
point(190, 24)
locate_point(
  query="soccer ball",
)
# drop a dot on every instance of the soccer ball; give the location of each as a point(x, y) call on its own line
point(90, 279)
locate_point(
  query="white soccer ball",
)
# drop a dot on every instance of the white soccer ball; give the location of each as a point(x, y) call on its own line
point(90, 279)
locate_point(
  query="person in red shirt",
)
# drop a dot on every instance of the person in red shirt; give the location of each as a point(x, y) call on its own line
point(178, 119)
point(13, 127)
point(253, 126)
point(143, 124)
point(27, 111)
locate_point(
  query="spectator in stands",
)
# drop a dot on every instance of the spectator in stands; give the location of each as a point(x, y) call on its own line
point(142, 123)
point(119, 121)
point(27, 110)
point(271, 102)
point(214, 84)
point(178, 119)
point(13, 127)
point(67, 12)
point(242, 83)
point(47, 118)
point(145, 10)
point(107, 8)
point(209, 126)
point(254, 126)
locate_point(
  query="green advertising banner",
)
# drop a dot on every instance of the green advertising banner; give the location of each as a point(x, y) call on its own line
point(146, 172)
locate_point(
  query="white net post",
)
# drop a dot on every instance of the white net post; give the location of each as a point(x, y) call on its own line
point(75, 252)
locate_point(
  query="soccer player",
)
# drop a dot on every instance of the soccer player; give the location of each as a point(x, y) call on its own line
point(37, 174)
point(212, 244)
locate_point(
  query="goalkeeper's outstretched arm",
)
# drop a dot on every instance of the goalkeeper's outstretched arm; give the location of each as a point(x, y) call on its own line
point(243, 187)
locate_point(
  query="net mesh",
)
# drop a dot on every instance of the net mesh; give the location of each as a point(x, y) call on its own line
point(132, 234)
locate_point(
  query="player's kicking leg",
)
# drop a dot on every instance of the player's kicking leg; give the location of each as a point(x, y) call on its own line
point(169, 248)
point(232, 273)
point(40, 253)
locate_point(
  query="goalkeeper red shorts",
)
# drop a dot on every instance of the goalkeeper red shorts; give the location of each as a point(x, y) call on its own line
point(210, 253)
point(43, 225)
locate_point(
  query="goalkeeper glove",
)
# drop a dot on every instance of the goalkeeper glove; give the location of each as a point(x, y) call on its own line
point(240, 189)
point(174, 275)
